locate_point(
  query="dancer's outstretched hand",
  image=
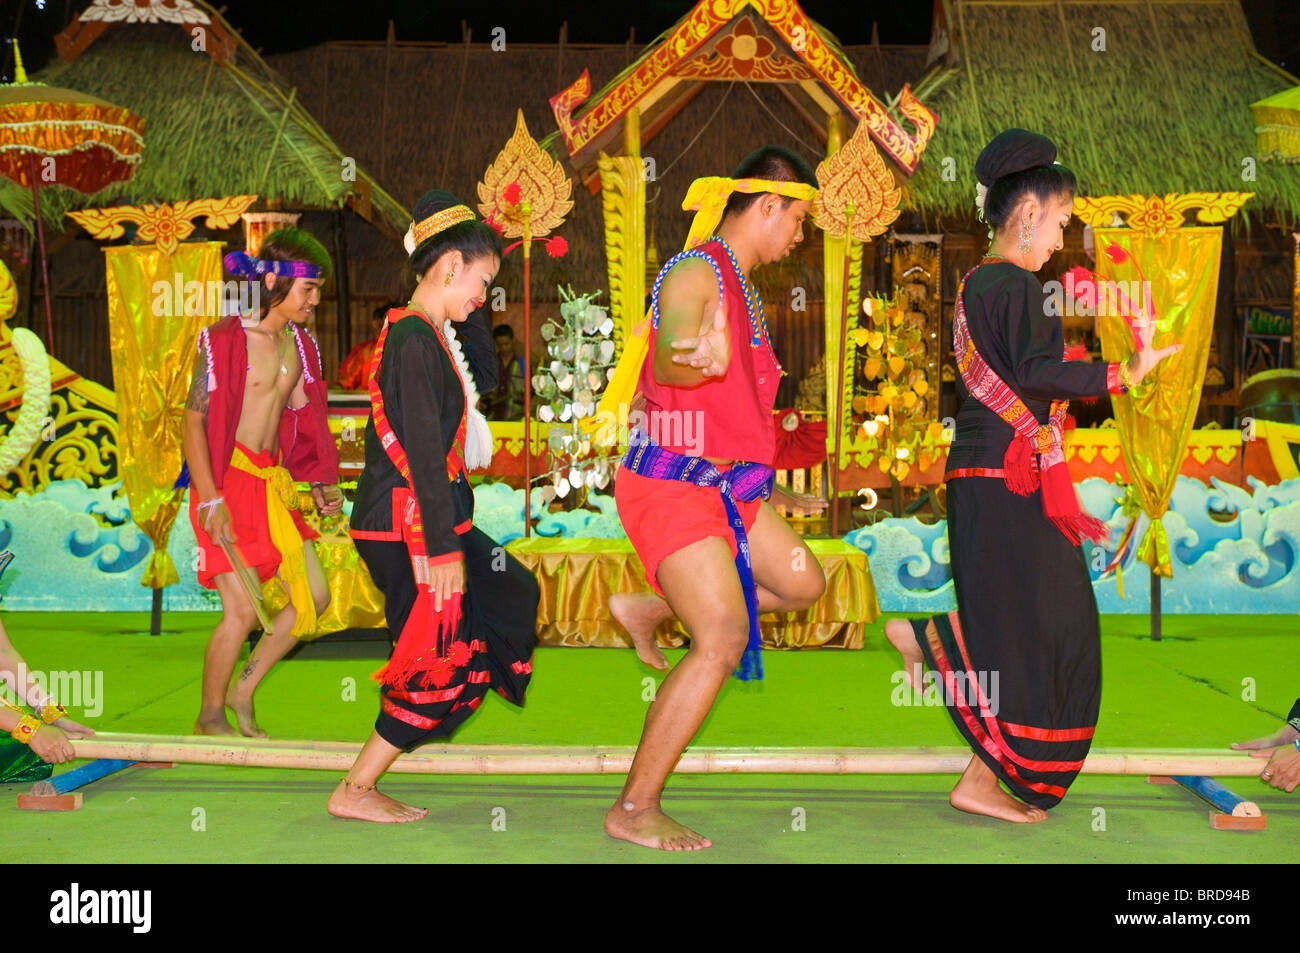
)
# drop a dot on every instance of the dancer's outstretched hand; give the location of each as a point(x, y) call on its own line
point(710, 351)
point(1145, 358)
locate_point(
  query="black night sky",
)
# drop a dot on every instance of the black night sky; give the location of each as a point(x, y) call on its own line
point(277, 26)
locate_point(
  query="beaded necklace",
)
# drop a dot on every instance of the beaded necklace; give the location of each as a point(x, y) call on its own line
point(753, 303)
point(757, 324)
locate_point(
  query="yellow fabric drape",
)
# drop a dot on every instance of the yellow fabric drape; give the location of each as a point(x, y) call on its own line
point(1155, 418)
point(707, 197)
point(156, 305)
point(281, 497)
point(577, 577)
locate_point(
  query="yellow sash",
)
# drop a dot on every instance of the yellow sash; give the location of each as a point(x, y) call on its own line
point(281, 497)
point(707, 197)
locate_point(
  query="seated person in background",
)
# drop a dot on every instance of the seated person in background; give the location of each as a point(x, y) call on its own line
point(352, 372)
point(1283, 768)
point(506, 401)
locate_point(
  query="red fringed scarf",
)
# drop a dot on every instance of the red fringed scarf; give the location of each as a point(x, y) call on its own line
point(428, 644)
point(1035, 456)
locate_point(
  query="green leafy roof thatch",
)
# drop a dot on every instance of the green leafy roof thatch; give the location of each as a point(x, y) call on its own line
point(211, 129)
point(1163, 107)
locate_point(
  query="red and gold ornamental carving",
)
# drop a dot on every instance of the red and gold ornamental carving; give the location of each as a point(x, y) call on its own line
point(804, 44)
point(165, 225)
point(744, 54)
point(1155, 214)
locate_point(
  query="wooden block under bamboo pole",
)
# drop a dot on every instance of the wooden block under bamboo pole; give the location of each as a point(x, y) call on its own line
point(529, 759)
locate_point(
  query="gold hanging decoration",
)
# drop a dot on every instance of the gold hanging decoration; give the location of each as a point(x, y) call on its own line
point(856, 178)
point(544, 190)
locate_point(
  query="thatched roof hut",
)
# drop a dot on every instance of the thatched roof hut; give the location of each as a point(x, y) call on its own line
point(213, 127)
point(424, 115)
point(1143, 96)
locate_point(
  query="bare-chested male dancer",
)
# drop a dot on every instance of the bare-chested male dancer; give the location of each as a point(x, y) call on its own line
point(257, 420)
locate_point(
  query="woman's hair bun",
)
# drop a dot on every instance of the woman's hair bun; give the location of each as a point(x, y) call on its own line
point(1013, 150)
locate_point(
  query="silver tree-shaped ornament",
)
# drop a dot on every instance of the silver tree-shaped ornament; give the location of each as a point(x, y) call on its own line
point(581, 350)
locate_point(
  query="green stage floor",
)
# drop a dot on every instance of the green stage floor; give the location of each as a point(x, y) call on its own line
point(1183, 692)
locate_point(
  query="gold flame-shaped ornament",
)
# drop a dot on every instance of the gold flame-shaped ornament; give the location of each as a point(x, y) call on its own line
point(855, 178)
point(544, 190)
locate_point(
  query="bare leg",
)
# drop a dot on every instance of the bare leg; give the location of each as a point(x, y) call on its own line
point(361, 799)
point(237, 620)
point(787, 575)
point(272, 647)
point(701, 584)
point(900, 635)
point(978, 792)
point(640, 613)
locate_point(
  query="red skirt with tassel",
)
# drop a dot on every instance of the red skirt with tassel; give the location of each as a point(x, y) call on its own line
point(499, 623)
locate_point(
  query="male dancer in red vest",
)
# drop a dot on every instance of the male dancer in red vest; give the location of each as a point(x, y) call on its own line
point(257, 420)
point(689, 491)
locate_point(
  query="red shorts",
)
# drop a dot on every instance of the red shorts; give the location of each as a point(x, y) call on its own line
point(245, 499)
point(662, 516)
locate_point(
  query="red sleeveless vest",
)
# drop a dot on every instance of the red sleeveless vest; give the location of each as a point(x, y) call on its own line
point(307, 447)
point(728, 417)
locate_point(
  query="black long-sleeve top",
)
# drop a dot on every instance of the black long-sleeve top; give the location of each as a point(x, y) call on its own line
point(1020, 338)
point(424, 403)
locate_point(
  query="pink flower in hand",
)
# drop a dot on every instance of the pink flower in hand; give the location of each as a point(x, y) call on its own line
point(1082, 283)
point(1116, 253)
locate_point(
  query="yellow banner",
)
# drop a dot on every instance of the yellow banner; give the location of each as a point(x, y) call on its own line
point(1178, 273)
point(156, 305)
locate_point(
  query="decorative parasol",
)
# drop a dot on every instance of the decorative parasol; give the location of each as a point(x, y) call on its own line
point(55, 136)
point(526, 195)
point(857, 199)
point(1277, 126)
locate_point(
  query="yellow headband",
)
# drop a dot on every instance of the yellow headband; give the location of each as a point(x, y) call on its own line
point(708, 196)
point(440, 220)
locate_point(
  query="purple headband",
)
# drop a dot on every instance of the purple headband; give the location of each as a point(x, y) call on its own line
point(239, 263)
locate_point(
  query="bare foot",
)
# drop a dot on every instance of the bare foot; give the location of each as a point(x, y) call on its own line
point(242, 706)
point(640, 613)
point(213, 723)
point(978, 792)
point(370, 805)
point(651, 827)
point(1283, 736)
point(902, 637)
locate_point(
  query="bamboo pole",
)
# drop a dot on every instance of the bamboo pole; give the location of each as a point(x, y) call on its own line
point(536, 759)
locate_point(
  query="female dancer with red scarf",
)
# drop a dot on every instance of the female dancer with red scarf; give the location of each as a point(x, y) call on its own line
point(1019, 662)
point(463, 611)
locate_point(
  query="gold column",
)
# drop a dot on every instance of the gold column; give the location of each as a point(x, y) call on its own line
point(838, 392)
point(622, 200)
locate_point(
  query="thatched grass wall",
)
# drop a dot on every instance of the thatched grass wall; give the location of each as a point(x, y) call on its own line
point(422, 116)
point(1163, 108)
point(210, 130)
